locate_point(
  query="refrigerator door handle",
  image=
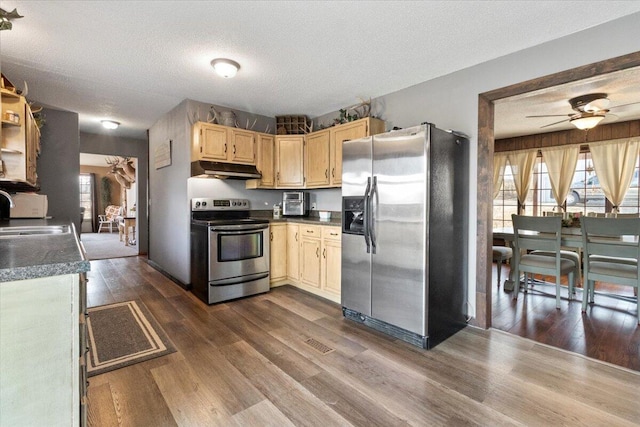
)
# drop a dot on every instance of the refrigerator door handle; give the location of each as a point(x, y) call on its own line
point(370, 227)
point(365, 214)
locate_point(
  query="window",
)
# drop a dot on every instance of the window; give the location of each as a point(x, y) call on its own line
point(86, 195)
point(585, 194)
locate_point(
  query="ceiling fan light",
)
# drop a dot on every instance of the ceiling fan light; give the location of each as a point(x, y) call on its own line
point(225, 67)
point(586, 122)
point(110, 124)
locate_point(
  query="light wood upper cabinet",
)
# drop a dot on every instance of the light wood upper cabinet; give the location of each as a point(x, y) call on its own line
point(209, 142)
point(243, 146)
point(316, 159)
point(278, 251)
point(348, 131)
point(222, 144)
point(293, 251)
point(19, 140)
point(289, 161)
point(265, 162)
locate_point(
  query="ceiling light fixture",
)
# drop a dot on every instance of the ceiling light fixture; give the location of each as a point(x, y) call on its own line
point(225, 67)
point(110, 124)
point(586, 121)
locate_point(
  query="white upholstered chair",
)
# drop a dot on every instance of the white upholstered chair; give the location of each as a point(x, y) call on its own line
point(501, 254)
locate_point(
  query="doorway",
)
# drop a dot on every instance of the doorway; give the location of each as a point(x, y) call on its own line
point(108, 203)
point(484, 282)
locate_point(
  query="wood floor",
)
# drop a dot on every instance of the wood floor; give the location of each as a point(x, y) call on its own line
point(608, 331)
point(246, 363)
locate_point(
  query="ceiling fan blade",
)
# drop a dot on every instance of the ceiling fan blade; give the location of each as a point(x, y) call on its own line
point(551, 124)
point(550, 115)
point(624, 105)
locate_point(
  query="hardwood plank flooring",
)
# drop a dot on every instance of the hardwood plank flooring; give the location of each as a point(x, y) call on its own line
point(246, 363)
point(608, 331)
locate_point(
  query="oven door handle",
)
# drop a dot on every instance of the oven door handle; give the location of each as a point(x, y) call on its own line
point(237, 229)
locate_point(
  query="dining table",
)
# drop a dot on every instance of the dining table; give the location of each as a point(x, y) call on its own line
point(570, 238)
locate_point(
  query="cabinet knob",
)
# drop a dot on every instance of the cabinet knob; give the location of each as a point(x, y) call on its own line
point(271, 236)
point(333, 172)
point(310, 231)
point(234, 148)
point(326, 173)
point(296, 236)
point(318, 252)
point(225, 148)
point(324, 253)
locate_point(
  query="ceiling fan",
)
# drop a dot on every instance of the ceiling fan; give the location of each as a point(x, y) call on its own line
point(589, 110)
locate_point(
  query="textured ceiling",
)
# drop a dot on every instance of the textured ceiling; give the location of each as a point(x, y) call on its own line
point(133, 61)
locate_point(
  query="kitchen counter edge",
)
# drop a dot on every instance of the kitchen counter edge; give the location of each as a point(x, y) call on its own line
point(40, 256)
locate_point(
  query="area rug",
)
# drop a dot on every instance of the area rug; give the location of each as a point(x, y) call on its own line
point(122, 334)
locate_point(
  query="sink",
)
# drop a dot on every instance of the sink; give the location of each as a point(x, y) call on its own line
point(34, 230)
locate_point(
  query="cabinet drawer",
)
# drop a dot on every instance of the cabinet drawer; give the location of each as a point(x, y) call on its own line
point(331, 233)
point(310, 231)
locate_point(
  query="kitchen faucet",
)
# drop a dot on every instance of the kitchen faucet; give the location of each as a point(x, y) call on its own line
point(11, 204)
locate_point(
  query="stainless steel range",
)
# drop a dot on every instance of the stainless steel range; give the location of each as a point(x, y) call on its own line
point(229, 250)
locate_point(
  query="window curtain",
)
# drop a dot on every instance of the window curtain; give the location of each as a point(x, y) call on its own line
point(561, 165)
point(522, 164)
point(614, 162)
point(499, 162)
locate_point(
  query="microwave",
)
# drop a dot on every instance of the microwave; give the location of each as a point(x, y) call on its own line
point(29, 205)
point(295, 203)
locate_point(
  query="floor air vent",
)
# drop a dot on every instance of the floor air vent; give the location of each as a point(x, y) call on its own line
point(318, 346)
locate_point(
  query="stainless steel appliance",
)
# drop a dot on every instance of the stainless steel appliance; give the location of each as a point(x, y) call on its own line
point(404, 241)
point(229, 250)
point(295, 203)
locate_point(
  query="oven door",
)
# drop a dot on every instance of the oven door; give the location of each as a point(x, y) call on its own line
point(238, 253)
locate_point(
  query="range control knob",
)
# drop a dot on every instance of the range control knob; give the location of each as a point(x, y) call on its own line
point(197, 204)
point(244, 203)
point(204, 204)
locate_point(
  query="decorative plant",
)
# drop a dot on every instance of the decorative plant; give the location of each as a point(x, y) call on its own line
point(105, 194)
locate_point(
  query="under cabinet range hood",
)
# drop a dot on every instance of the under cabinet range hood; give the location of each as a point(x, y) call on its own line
point(205, 169)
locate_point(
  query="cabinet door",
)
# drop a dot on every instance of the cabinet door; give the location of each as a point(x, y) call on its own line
point(339, 134)
point(310, 261)
point(278, 251)
point(293, 252)
point(213, 142)
point(32, 145)
point(242, 146)
point(289, 161)
point(331, 266)
point(316, 159)
point(265, 161)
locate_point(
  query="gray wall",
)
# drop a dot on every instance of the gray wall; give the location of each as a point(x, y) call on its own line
point(128, 147)
point(170, 188)
point(59, 165)
point(451, 101)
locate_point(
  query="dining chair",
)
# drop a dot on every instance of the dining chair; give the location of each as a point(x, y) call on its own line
point(611, 253)
point(501, 254)
point(533, 233)
point(572, 254)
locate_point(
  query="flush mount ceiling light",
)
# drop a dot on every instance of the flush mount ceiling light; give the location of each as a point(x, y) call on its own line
point(110, 124)
point(587, 121)
point(225, 67)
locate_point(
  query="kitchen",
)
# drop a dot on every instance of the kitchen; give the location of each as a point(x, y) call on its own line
point(169, 195)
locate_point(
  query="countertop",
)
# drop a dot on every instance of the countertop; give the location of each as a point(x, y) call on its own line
point(31, 257)
point(335, 220)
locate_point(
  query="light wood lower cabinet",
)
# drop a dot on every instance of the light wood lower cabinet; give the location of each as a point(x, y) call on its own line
point(310, 246)
point(278, 251)
point(313, 254)
point(293, 252)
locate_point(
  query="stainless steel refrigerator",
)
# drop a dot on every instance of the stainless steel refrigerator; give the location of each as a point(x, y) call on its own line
point(405, 224)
